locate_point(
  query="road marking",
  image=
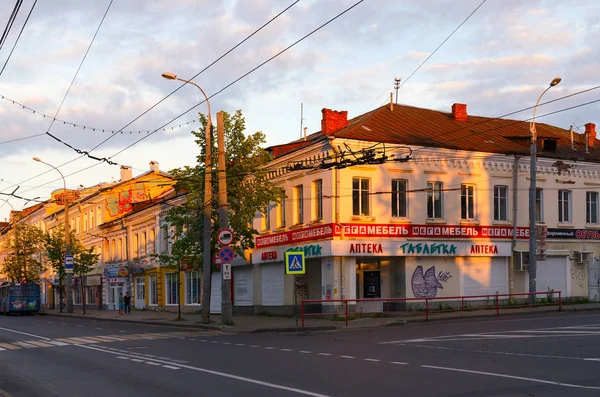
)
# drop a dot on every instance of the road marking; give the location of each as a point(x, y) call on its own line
point(152, 363)
point(170, 367)
point(124, 358)
point(57, 343)
point(40, 344)
point(269, 348)
point(304, 351)
point(374, 360)
point(137, 360)
point(325, 354)
point(225, 343)
point(548, 382)
point(24, 344)
point(214, 341)
point(8, 346)
point(591, 359)
point(24, 333)
point(398, 363)
point(221, 374)
point(83, 340)
point(253, 346)
point(347, 357)
point(287, 350)
point(1, 349)
point(237, 344)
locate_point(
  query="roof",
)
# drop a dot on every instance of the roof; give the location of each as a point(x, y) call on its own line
point(409, 125)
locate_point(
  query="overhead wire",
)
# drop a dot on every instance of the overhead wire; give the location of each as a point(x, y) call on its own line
point(18, 37)
point(10, 22)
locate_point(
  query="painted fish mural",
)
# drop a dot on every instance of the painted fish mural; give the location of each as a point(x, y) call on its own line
point(425, 285)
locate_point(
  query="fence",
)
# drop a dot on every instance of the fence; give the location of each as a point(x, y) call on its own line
point(347, 307)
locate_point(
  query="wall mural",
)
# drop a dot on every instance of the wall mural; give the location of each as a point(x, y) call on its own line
point(579, 275)
point(120, 203)
point(425, 285)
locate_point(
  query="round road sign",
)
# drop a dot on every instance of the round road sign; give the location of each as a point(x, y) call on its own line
point(225, 236)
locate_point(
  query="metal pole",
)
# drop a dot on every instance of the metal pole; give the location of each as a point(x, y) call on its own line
point(226, 306)
point(532, 268)
point(207, 257)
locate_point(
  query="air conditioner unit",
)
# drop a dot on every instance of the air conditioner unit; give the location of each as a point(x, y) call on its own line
point(582, 257)
point(520, 260)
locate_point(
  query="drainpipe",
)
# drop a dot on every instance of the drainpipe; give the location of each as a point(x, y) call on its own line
point(511, 269)
point(337, 222)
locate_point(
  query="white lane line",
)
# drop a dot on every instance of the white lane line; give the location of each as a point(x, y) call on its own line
point(253, 346)
point(269, 348)
point(203, 340)
point(221, 374)
point(226, 343)
point(24, 333)
point(170, 367)
point(591, 359)
point(80, 326)
point(374, 360)
point(83, 340)
point(547, 382)
point(347, 357)
point(287, 350)
point(124, 358)
point(214, 341)
point(192, 339)
point(398, 363)
point(566, 332)
point(325, 354)
point(1, 348)
point(57, 343)
point(304, 351)
point(152, 363)
point(23, 344)
point(137, 360)
point(240, 344)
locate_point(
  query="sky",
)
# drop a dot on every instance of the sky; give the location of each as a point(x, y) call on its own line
point(499, 61)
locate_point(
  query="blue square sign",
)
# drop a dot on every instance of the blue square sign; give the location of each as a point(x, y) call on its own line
point(294, 263)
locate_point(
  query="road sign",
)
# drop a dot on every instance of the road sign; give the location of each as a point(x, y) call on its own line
point(225, 236)
point(226, 269)
point(226, 254)
point(294, 263)
point(69, 263)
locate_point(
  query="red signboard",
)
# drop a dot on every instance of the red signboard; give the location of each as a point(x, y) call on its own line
point(269, 256)
point(391, 231)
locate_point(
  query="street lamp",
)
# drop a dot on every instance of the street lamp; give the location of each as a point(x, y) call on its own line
point(207, 260)
point(67, 238)
point(532, 193)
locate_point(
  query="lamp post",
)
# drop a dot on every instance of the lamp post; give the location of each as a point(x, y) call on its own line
point(67, 239)
point(532, 269)
point(207, 254)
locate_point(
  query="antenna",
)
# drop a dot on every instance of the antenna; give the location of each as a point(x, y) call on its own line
point(397, 86)
point(301, 118)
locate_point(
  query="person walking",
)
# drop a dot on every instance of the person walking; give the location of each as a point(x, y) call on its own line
point(127, 302)
point(121, 303)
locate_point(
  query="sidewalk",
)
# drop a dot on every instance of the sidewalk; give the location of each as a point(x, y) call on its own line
point(263, 323)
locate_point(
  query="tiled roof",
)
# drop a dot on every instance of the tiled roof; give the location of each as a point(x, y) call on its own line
point(408, 125)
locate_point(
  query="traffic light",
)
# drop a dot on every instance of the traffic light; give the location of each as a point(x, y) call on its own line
point(541, 233)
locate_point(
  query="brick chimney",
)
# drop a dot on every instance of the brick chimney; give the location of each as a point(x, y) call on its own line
point(459, 111)
point(126, 173)
point(333, 121)
point(154, 166)
point(590, 134)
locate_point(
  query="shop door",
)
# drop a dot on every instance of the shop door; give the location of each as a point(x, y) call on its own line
point(594, 281)
point(140, 292)
point(113, 296)
point(552, 275)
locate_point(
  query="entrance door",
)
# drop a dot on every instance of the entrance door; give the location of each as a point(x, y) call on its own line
point(113, 296)
point(594, 281)
point(140, 292)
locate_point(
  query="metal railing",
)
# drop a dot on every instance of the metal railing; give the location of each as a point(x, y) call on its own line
point(348, 307)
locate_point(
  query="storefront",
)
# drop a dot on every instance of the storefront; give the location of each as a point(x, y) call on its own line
point(117, 283)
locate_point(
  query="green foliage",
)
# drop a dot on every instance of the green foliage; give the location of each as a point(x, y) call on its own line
point(24, 254)
point(84, 258)
point(248, 192)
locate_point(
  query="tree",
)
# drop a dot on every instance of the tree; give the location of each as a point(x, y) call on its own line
point(24, 249)
point(85, 259)
point(248, 193)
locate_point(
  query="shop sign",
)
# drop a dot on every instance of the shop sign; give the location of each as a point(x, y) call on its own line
point(116, 281)
point(118, 271)
point(428, 248)
point(309, 250)
point(421, 248)
point(430, 231)
point(368, 248)
point(269, 256)
point(570, 234)
point(295, 236)
point(93, 280)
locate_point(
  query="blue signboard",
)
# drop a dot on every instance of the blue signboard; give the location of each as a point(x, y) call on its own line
point(294, 263)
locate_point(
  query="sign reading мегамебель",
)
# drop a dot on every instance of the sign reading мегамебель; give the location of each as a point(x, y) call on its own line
point(574, 234)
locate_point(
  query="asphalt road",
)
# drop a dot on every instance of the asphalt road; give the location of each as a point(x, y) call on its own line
point(550, 355)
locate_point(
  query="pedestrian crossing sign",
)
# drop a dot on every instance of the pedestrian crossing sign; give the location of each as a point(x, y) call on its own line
point(294, 263)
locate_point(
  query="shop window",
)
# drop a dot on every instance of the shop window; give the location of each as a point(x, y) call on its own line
point(467, 202)
point(153, 290)
point(500, 203)
point(91, 295)
point(564, 206)
point(360, 196)
point(399, 198)
point(192, 288)
point(591, 205)
point(171, 289)
point(435, 204)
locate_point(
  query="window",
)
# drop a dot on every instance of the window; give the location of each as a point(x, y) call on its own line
point(591, 205)
point(564, 206)
point(399, 198)
point(281, 214)
point(98, 216)
point(77, 296)
point(299, 198)
point(266, 218)
point(153, 291)
point(164, 241)
point(91, 295)
point(171, 289)
point(120, 249)
point(92, 218)
point(136, 245)
point(318, 201)
point(539, 205)
point(113, 250)
point(140, 289)
point(192, 288)
point(144, 248)
point(360, 196)
point(85, 222)
point(434, 200)
point(500, 203)
point(152, 241)
point(467, 202)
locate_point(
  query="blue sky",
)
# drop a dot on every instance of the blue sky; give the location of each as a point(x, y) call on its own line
point(499, 61)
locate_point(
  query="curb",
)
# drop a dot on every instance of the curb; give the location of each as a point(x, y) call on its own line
point(5, 393)
point(296, 329)
point(157, 323)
